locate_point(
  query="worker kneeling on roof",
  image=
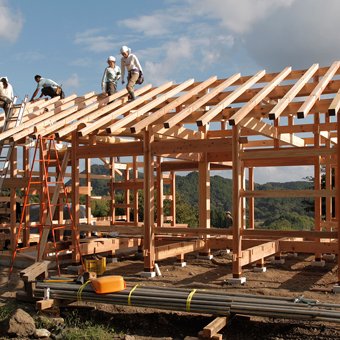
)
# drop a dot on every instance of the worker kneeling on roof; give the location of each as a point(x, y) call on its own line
point(48, 88)
point(6, 94)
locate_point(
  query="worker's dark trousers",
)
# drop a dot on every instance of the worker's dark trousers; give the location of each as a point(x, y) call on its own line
point(51, 92)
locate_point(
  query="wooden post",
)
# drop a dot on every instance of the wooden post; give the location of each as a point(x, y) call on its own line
point(173, 201)
point(112, 191)
point(237, 203)
point(317, 181)
point(25, 162)
point(135, 195)
point(160, 193)
point(75, 195)
point(13, 196)
point(251, 200)
point(149, 235)
point(127, 195)
point(337, 183)
point(328, 178)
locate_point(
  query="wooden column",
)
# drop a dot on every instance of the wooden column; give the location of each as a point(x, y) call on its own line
point(160, 194)
point(251, 200)
point(75, 195)
point(317, 181)
point(13, 196)
point(337, 200)
point(135, 195)
point(127, 195)
point(328, 178)
point(112, 191)
point(25, 163)
point(173, 201)
point(237, 203)
point(149, 235)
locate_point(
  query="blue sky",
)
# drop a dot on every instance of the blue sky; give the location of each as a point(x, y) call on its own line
point(70, 40)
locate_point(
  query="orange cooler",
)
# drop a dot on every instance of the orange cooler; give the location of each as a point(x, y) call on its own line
point(108, 284)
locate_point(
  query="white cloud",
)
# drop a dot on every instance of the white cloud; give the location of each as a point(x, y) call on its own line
point(94, 41)
point(82, 62)
point(159, 23)
point(239, 16)
point(72, 82)
point(11, 22)
point(29, 56)
point(282, 174)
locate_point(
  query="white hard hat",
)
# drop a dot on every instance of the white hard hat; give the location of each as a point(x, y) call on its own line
point(111, 58)
point(124, 49)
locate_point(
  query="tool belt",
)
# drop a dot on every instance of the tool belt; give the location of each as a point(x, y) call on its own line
point(58, 90)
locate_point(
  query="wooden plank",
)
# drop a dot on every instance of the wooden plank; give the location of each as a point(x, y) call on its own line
point(258, 252)
point(136, 128)
point(315, 95)
point(289, 193)
point(101, 122)
point(174, 249)
point(286, 152)
point(335, 105)
point(282, 104)
point(244, 110)
point(187, 146)
point(208, 116)
point(178, 117)
point(270, 131)
point(153, 103)
point(119, 149)
point(214, 326)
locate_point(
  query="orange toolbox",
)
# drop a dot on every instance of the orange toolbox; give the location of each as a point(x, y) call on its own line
point(108, 284)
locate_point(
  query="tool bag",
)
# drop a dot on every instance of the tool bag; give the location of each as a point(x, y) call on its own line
point(140, 79)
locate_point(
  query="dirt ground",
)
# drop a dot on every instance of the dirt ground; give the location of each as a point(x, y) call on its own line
point(296, 277)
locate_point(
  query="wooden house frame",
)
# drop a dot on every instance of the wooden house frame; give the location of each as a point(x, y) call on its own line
point(236, 124)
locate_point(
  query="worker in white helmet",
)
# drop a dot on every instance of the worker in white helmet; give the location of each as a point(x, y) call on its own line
point(135, 71)
point(111, 75)
point(6, 94)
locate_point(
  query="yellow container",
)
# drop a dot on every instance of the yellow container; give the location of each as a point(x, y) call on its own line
point(98, 265)
point(108, 284)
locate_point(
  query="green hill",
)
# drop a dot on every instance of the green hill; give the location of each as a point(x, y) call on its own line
point(273, 213)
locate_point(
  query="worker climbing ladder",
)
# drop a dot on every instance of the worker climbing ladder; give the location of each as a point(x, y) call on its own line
point(53, 194)
point(6, 147)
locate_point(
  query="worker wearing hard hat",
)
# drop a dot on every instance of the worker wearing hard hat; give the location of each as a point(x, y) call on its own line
point(48, 88)
point(135, 71)
point(6, 94)
point(111, 75)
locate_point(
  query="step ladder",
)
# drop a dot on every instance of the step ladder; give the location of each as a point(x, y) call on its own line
point(7, 147)
point(48, 157)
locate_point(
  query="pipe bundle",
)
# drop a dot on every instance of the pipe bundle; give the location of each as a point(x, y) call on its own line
point(197, 301)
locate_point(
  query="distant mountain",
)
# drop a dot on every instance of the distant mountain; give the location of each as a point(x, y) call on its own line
point(287, 213)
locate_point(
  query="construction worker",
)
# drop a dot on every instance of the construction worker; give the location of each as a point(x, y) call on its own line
point(6, 94)
point(48, 88)
point(111, 75)
point(135, 71)
point(229, 219)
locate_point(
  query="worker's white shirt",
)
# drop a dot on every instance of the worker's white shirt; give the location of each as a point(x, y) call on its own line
point(131, 63)
point(111, 74)
point(44, 82)
point(8, 92)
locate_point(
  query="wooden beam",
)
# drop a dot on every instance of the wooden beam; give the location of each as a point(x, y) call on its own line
point(146, 108)
point(91, 126)
point(244, 110)
point(258, 252)
point(119, 149)
point(315, 95)
point(208, 116)
point(178, 117)
point(282, 104)
point(188, 146)
point(289, 193)
point(137, 127)
point(335, 105)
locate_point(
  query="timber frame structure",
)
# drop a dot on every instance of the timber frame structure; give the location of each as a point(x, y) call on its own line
point(236, 124)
